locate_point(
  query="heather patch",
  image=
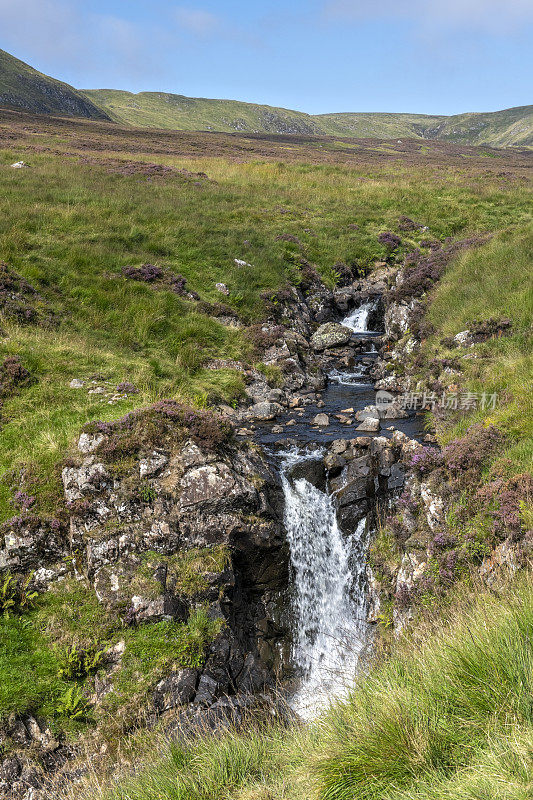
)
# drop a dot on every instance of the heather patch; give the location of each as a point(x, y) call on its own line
point(391, 241)
point(19, 300)
point(466, 456)
point(164, 423)
point(422, 271)
point(13, 376)
point(161, 278)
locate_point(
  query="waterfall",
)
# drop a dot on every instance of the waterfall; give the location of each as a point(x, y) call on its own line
point(329, 602)
point(357, 320)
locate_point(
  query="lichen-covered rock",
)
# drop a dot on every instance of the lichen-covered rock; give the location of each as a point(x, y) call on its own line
point(86, 479)
point(331, 334)
point(369, 425)
point(265, 410)
point(434, 506)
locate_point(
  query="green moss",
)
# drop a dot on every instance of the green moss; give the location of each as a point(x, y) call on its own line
point(186, 571)
point(153, 651)
point(272, 373)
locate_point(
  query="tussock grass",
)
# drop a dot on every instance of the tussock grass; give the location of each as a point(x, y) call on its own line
point(448, 716)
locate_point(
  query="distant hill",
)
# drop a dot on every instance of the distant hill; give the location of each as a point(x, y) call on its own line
point(21, 86)
point(177, 112)
point(513, 126)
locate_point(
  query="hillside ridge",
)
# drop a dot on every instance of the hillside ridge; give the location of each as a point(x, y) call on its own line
point(513, 126)
point(21, 86)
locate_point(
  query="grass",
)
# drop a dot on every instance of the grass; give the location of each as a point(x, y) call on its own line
point(70, 228)
point(449, 715)
point(494, 282)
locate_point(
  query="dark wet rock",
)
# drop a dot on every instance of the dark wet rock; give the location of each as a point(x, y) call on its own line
point(314, 471)
point(10, 769)
point(176, 690)
point(334, 463)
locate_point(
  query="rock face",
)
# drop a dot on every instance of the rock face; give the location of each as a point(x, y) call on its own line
point(192, 498)
point(331, 334)
point(129, 529)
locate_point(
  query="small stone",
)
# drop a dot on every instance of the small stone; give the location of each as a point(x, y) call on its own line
point(76, 383)
point(322, 420)
point(277, 429)
point(19, 165)
point(290, 422)
point(320, 404)
point(347, 410)
point(222, 288)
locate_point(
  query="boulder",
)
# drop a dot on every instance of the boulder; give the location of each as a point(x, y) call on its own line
point(369, 425)
point(313, 470)
point(331, 334)
point(265, 410)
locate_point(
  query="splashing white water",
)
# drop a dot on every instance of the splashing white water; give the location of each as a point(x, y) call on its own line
point(329, 595)
point(357, 320)
point(348, 378)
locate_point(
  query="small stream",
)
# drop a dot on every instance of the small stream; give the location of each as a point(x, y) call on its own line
point(328, 567)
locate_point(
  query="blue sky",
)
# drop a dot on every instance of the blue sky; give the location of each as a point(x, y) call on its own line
point(426, 56)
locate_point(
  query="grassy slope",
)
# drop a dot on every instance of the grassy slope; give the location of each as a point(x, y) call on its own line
point(21, 86)
point(382, 126)
point(494, 281)
point(155, 109)
point(514, 126)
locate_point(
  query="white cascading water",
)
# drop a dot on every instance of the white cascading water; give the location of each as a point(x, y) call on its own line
point(357, 320)
point(329, 578)
point(329, 603)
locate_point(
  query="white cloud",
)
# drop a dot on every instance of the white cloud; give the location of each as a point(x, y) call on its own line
point(471, 15)
point(197, 21)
